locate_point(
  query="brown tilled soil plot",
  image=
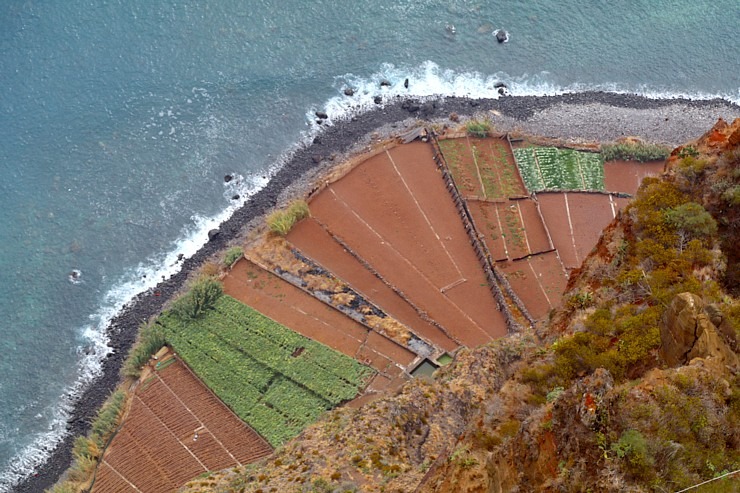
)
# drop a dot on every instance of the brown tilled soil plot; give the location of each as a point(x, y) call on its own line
point(483, 168)
point(498, 169)
point(313, 241)
point(511, 229)
point(626, 176)
point(395, 213)
point(539, 281)
point(465, 172)
point(575, 221)
point(175, 430)
point(301, 312)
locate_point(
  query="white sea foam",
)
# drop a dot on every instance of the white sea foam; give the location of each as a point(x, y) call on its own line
point(141, 278)
point(429, 80)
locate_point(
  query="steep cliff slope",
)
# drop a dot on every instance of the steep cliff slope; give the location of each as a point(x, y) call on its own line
point(632, 386)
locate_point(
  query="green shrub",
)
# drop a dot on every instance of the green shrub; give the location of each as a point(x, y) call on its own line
point(151, 340)
point(282, 221)
point(688, 151)
point(633, 447)
point(232, 255)
point(634, 151)
point(202, 295)
point(692, 219)
point(478, 128)
point(108, 418)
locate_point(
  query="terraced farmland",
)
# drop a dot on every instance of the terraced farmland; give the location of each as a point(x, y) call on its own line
point(174, 430)
point(483, 168)
point(554, 169)
point(273, 378)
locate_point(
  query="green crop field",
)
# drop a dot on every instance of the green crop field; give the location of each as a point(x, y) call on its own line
point(550, 168)
point(248, 360)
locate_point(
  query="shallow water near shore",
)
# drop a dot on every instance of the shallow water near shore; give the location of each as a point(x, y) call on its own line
point(121, 119)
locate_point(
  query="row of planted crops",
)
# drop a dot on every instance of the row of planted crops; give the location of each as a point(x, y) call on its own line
point(484, 168)
point(274, 379)
point(551, 168)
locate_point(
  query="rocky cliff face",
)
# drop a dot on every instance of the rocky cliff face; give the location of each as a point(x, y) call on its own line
point(687, 333)
point(636, 389)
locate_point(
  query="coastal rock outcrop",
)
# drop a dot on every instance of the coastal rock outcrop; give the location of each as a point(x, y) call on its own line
point(686, 332)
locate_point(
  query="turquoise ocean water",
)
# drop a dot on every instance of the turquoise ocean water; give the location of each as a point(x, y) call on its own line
point(119, 119)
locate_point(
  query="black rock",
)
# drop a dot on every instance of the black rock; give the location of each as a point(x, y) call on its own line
point(406, 83)
point(319, 122)
point(180, 256)
point(385, 83)
point(213, 233)
point(235, 197)
point(317, 140)
point(501, 35)
point(322, 115)
point(410, 106)
point(378, 99)
point(316, 158)
point(428, 109)
point(499, 85)
point(228, 178)
point(349, 91)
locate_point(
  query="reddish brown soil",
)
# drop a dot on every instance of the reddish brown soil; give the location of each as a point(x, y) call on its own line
point(175, 430)
point(415, 164)
point(536, 234)
point(625, 176)
point(299, 311)
point(313, 241)
point(415, 240)
point(487, 223)
point(575, 221)
point(590, 214)
point(500, 175)
point(459, 157)
point(561, 230)
point(539, 281)
point(511, 229)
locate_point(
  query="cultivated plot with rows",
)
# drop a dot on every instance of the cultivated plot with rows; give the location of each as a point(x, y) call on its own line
point(550, 168)
point(273, 378)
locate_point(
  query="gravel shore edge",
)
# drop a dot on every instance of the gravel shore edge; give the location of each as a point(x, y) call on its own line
point(578, 117)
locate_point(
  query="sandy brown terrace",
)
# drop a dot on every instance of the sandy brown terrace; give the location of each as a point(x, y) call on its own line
point(403, 260)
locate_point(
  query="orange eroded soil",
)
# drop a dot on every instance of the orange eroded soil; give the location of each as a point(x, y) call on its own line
point(175, 430)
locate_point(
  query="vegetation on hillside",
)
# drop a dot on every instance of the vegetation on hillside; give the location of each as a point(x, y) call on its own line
point(282, 221)
point(591, 407)
point(634, 151)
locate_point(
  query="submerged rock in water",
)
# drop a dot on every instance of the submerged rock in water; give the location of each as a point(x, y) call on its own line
point(501, 35)
point(349, 91)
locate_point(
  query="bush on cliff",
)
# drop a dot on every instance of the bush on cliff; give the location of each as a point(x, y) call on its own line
point(203, 294)
point(151, 340)
point(282, 221)
point(634, 151)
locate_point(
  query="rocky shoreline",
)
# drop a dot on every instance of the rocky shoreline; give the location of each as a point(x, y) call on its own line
point(588, 116)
